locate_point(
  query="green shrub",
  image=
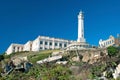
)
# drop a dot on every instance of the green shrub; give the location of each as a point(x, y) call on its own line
point(112, 51)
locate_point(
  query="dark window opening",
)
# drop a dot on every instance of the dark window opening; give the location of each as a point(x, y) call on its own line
point(46, 43)
point(41, 42)
point(60, 44)
point(56, 44)
point(65, 45)
point(50, 43)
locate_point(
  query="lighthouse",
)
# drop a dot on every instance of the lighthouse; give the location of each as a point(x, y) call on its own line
point(81, 38)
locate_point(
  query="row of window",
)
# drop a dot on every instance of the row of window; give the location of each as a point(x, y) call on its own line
point(109, 42)
point(17, 48)
point(42, 48)
point(56, 44)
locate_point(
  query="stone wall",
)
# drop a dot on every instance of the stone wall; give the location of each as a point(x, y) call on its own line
point(90, 55)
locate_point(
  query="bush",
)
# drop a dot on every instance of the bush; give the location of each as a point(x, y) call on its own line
point(112, 51)
point(96, 71)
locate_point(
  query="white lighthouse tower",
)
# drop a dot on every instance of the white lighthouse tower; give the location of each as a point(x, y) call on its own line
point(81, 42)
point(81, 38)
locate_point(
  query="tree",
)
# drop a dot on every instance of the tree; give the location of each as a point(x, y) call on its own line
point(112, 51)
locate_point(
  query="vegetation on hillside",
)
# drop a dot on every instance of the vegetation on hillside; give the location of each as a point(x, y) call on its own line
point(52, 71)
point(42, 72)
point(108, 65)
point(112, 51)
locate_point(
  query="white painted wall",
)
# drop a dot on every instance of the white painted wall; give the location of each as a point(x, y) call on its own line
point(107, 43)
point(42, 43)
point(14, 48)
point(9, 50)
point(81, 27)
point(28, 46)
point(35, 45)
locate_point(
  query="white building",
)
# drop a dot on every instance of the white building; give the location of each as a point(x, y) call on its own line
point(107, 43)
point(14, 48)
point(43, 43)
point(28, 46)
point(40, 43)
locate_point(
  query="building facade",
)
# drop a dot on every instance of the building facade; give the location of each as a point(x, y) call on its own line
point(28, 46)
point(107, 43)
point(44, 43)
point(40, 43)
point(14, 48)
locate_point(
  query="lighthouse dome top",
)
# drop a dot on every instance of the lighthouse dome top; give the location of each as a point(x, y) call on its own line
point(80, 13)
point(80, 16)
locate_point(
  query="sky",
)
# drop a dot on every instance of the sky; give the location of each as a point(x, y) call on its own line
point(23, 20)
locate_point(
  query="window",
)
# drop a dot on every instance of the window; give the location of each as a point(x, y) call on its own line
point(104, 44)
point(41, 48)
point(56, 44)
point(46, 43)
point(30, 45)
point(18, 48)
point(65, 45)
point(41, 42)
point(14, 47)
point(45, 48)
point(50, 43)
point(109, 42)
point(60, 45)
point(21, 48)
point(82, 35)
point(112, 41)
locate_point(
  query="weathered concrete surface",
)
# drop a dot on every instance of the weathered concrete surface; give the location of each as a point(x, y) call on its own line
point(90, 55)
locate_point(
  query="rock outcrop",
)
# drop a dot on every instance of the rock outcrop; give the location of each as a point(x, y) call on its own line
point(116, 74)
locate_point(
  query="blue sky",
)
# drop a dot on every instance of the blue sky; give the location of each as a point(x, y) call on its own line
point(23, 20)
